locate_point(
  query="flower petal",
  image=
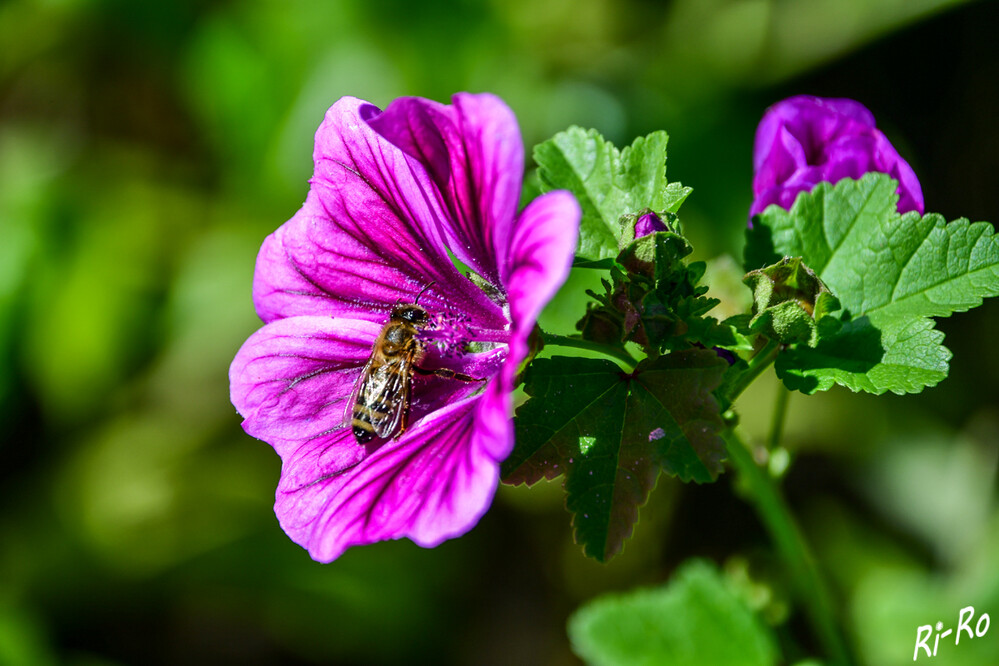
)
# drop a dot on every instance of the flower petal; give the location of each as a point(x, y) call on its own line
point(539, 257)
point(429, 485)
point(889, 161)
point(292, 381)
point(494, 412)
point(474, 153)
point(809, 123)
point(368, 236)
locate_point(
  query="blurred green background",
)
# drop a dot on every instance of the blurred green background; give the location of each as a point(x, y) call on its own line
point(147, 148)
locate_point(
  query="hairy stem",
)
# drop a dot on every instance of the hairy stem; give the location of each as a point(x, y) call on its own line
point(811, 590)
point(578, 343)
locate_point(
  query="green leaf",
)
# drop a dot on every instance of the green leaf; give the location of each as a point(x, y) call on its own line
point(890, 273)
point(610, 432)
point(695, 620)
point(607, 183)
point(674, 196)
point(902, 356)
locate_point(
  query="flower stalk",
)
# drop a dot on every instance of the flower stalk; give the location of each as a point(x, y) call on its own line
point(765, 495)
point(810, 588)
point(777, 421)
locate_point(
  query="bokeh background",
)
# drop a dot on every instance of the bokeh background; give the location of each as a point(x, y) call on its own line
point(147, 148)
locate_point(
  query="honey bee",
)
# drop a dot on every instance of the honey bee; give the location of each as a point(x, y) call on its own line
point(381, 398)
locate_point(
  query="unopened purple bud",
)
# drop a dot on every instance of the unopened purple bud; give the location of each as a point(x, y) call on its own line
point(649, 223)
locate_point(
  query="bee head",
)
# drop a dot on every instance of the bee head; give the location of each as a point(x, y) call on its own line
point(410, 312)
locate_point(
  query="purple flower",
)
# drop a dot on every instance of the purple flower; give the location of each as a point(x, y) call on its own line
point(805, 140)
point(392, 193)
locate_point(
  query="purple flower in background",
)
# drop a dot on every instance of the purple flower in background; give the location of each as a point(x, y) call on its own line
point(392, 193)
point(805, 140)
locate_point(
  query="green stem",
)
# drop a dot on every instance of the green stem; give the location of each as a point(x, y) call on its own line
point(756, 365)
point(776, 516)
point(579, 343)
point(780, 412)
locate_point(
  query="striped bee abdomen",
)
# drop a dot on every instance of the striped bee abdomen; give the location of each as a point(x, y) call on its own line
point(365, 417)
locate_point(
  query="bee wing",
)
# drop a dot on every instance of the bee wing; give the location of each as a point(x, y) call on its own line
point(382, 393)
point(348, 412)
point(389, 395)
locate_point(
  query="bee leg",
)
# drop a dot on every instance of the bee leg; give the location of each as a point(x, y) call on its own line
point(404, 419)
point(447, 374)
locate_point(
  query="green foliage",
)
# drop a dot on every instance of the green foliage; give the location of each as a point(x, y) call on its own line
point(890, 272)
point(655, 299)
point(610, 432)
point(695, 620)
point(607, 183)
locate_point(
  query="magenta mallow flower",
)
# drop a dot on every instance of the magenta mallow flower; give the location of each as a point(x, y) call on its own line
point(805, 140)
point(393, 193)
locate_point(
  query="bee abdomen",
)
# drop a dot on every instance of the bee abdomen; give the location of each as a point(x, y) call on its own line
point(363, 422)
point(363, 432)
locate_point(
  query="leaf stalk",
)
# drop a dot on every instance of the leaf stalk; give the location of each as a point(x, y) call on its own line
point(578, 343)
